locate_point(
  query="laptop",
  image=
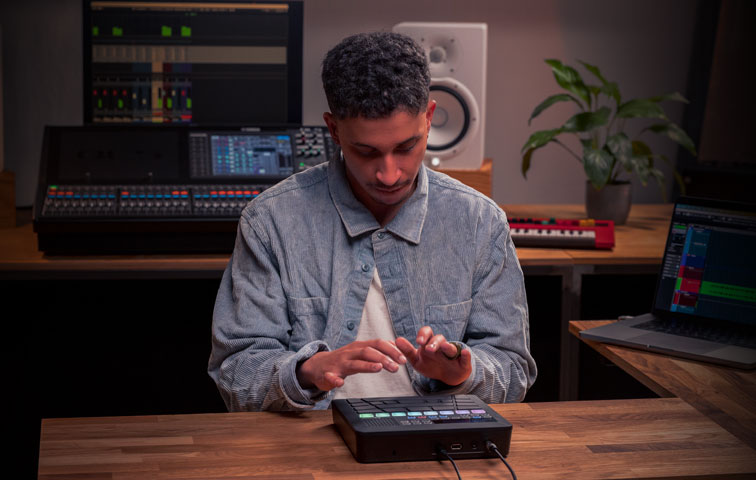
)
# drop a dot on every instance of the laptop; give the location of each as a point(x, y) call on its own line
point(704, 306)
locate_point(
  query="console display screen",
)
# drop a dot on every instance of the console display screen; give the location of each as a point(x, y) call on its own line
point(251, 155)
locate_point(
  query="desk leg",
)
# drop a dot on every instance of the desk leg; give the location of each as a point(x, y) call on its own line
point(572, 280)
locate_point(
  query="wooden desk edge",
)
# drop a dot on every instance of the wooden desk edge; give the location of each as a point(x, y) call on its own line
point(610, 352)
point(528, 448)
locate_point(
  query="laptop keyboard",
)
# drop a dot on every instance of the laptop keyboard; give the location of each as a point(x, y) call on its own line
point(728, 336)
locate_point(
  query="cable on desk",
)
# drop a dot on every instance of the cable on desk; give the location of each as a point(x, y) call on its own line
point(445, 454)
point(492, 448)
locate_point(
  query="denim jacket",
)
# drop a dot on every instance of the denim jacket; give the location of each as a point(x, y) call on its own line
point(299, 275)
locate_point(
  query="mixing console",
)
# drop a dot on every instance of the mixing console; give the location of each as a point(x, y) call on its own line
point(134, 189)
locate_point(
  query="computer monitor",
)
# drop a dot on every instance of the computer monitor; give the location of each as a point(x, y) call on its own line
point(193, 62)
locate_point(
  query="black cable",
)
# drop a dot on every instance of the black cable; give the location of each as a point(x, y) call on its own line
point(492, 448)
point(454, 464)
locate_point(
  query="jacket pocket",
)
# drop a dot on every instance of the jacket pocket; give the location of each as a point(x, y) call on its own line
point(308, 318)
point(449, 320)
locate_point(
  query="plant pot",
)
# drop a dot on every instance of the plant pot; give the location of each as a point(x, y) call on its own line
point(610, 203)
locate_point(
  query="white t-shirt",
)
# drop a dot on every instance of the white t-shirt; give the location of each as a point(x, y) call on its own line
point(376, 323)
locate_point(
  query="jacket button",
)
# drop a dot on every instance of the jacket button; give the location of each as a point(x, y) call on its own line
point(350, 325)
point(365, 267)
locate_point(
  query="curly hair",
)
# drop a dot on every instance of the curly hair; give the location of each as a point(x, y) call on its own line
point(373, 74)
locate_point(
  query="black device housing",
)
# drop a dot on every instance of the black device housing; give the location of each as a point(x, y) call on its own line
point(377, 440)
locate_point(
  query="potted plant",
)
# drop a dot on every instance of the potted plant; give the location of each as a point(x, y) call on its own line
point(608, 150)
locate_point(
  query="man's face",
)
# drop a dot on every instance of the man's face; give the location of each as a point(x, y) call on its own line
point(382, 156)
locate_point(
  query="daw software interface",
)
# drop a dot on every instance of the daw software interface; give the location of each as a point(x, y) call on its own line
point(710, 264)
point(200, 63)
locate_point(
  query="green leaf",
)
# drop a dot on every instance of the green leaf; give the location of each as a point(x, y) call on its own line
point(641, 160)
point(640, 148)
point(641, 165)
point(597, 164)
point(674, 96)
point(586, 121)
point(622, 149)
point(569, 79)
point(526, 162)
point(675, 133)
point(610, 89)
point(562, 97)
point(540, 138)
point(640, 108)
point(536, 141)
point(594, 70)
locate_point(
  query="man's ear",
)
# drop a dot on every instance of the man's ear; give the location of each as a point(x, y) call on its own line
point(330, 122)
point(429, 113)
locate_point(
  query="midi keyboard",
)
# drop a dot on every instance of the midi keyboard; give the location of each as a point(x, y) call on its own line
point(562, 233)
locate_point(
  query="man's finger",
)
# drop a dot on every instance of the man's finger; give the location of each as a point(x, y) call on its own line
point(465, 358)
point(333, 381)
point(390, 349)
point(370, 354)
point(423, 335)
point(434, 343)
point(350, 367)
point(450, 350)
point(407, 349)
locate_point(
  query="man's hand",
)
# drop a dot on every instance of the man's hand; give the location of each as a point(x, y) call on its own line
point(327, 370)
point(431, 357)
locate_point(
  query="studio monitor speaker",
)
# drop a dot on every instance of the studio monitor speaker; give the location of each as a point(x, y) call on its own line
point(457, 57)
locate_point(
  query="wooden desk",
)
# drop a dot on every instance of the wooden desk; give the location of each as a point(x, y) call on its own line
point(726, 395)
point(653, 438)
point(638, 244)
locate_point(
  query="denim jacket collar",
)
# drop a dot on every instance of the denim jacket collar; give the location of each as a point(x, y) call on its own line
point(357, 219)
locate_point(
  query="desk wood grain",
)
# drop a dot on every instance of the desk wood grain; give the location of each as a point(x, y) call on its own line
point(652, 438)
point(724, 394)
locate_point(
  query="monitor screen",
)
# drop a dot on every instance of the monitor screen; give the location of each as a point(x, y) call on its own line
point(240, 154)
point(193, 62)
point(251, 155)
point(709, 263)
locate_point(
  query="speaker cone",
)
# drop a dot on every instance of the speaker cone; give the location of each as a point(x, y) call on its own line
point(451, 120)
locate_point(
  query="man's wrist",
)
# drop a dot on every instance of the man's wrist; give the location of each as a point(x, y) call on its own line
point(304, 372)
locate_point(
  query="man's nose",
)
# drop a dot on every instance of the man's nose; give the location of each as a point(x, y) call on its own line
point(388, 171)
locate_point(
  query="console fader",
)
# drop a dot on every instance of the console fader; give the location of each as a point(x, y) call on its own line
point(105, 189)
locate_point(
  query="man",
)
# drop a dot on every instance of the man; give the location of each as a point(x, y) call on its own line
point(336, 268)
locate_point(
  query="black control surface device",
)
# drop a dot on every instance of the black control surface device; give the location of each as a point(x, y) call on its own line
point(401, 429)
point(136, 189)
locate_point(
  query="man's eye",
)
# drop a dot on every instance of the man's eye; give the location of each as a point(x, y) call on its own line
point(406, 149)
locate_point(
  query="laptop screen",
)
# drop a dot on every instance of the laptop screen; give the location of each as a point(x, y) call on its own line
point(709, 265)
